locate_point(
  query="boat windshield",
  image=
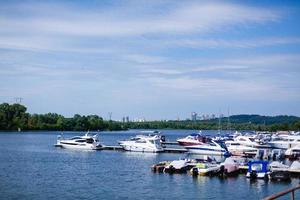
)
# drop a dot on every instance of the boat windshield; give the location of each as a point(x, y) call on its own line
point(256, 167)
point(89, 141)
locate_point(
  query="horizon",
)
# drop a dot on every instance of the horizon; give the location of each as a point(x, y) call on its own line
point(136, 119)
point(151, 59)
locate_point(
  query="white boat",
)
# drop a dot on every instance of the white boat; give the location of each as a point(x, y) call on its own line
point(177, 166)
point(293, 152)
point(85, 142)
point(210, 147)
point(277, 166)
point(142, 143)
point(295, 166)
point(248, 141)
point(285, 142)
point(235, 148)
point(193, 139)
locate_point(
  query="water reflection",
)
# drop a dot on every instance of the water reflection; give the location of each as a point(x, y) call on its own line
point(140, 155)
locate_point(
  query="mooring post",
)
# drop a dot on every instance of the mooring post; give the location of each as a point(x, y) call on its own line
point(293, 195)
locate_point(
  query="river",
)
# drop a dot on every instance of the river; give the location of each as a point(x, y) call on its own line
point(32, 168)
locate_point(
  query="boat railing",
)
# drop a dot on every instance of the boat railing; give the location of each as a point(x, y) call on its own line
point(285, 192)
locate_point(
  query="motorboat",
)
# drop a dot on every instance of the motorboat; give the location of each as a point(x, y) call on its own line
point(208, 147)
point(193, 139)
point(86, 142)
point(295, 166)
point(278, 166)
point(142, 143)
point(248, 141)
point(159, 167)
point(204, 169)
point(280, 176)
point(230, 166)
point(177, 166)
point(154, 133)
point(258, 170)
point(286, 142)
point(237, 149)
point(293, 152)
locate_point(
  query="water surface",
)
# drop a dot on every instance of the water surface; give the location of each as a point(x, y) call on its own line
point(32, 168)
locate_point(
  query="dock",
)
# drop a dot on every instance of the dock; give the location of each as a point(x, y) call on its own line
point(174, 150)
point(169, 143)
point(114, 148)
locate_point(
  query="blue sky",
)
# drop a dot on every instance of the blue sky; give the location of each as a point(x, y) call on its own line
point(151, 59)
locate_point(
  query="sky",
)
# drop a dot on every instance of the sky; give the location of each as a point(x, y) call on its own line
point(151, 59)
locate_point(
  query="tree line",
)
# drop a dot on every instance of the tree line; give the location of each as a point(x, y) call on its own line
point(14, 116)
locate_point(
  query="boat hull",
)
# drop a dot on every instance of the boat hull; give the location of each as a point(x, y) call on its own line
point(141, 148)
point(79, 146)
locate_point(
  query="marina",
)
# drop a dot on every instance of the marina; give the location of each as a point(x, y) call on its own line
point(194, 177)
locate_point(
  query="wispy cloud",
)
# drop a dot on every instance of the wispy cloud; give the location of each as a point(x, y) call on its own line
point(147, 52)
point(230, 43)
point(183, 18)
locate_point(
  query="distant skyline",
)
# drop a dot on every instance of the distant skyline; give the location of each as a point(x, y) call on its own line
point(151, 59)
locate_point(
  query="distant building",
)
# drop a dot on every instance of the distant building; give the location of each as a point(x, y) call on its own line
point(127, 119)
point(194, 116)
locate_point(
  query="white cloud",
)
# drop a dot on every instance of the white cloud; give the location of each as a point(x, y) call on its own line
point(183, 18)
point(243, 43)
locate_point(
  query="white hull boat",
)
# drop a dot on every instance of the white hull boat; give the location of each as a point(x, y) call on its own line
point(286, 142)
point(85, 142)
point(142, 143)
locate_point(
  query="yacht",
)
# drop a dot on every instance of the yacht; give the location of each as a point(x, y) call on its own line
point(193, 139)
point(85, 142)
point(143, 143)
point(235, 148)
point(248, 141)
point(293, 152)
point(208, 147)
point(285, 142)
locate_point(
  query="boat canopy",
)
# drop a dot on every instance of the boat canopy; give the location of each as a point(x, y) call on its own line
point(258, 166)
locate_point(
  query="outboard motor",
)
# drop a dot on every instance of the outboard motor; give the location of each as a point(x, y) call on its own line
point(222, 171)
point(253, 175)
point(171, 169)
point(195, 172)
point(162, 138)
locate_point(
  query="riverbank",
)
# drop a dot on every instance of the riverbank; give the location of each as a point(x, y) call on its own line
point(14, 117)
